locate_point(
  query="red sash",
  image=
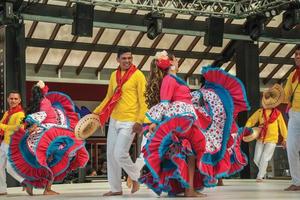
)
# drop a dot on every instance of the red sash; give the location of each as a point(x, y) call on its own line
point(109, 106)
point(296, 76)
point(10, 113)
point(272, 118)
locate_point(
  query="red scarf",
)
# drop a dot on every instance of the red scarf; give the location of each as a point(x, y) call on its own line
point(6, 119)
point(296, 76)
point(109, 106)
point(272, 118)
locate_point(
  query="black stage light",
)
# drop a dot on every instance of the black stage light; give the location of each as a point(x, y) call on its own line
point(154, 23)
point(290, 19)
point(255, 26)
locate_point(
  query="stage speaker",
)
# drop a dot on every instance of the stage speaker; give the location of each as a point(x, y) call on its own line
point(83, 18)
point(214, 33)
point(12, 63)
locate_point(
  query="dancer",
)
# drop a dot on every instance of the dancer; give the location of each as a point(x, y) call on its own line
point(292, 92)
point(125, 105)
point(218, 101)
point(10, 122)
point(271, 122)
point(175, 148)
point(47, 149)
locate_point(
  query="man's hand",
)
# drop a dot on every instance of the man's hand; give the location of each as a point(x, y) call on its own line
point(283, 143)
point(137, 128)
point(152, 127)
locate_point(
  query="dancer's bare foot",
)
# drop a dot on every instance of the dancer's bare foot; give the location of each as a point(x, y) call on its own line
point(50, 192)
point(3, 193)
point(201, 194)
point(135, 187)
point(28, 189)
point(259, 180)
point(292, 188)
point(193, 193)
point(220, 182)
point(129, 182)
point(110, 193)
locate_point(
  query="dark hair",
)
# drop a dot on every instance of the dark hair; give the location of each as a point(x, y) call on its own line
point(202, 80)
point(297, 47)
point(35, 100)
point(14, 92)
point(123, 50)
point(155, 78)
point(89, 170)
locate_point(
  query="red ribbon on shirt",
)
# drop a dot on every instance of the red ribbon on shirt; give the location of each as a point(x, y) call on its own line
point(296, 76)
point(110, 105)
point(272, 118)
point(6, 119)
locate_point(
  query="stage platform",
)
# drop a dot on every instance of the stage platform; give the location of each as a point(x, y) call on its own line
point(233, 190)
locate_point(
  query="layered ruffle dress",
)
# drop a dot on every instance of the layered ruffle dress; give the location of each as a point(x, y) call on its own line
point(51, 152)
point(176, 137)
point(223, 97)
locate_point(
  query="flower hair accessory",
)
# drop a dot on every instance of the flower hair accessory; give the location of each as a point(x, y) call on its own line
point(161, 55)
point(43, 87)
point(40, 84)
point(163, 61)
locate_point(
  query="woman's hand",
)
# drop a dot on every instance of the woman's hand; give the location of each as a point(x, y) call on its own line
point(33, 129)
point(152, 127)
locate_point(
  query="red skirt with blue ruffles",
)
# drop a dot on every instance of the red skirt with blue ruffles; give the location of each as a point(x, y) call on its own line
point(166, 154)
point(56, 153)
point(228, 158)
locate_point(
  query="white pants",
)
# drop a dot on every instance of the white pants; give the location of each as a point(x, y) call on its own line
point(140, 160)
point(119, 140)
point(4, 164)
point(293, 146)
point(263, 154)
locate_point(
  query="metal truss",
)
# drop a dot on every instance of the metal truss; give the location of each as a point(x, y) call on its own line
point(236, 9)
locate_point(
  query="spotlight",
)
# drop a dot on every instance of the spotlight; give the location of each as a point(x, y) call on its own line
point(274, 12)
point(255, 26)
point(271, 13)
point(290, 19)
point(154, 23)
point(268, 14)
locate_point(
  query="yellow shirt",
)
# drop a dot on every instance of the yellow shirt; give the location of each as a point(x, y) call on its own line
point(272, 132)
point(12, 125)
point(132, 105)
point(289, 89)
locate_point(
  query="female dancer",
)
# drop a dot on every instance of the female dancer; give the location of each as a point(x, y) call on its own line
point(175, 148)
point(47, 149)
point(220, 98)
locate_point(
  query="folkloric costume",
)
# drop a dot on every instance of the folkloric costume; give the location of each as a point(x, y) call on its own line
point(271, 122)
point(125, 105)
point(292, 92)
point(47, 155)
point(10, 121)
point(217, 104)
point(177, 136)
